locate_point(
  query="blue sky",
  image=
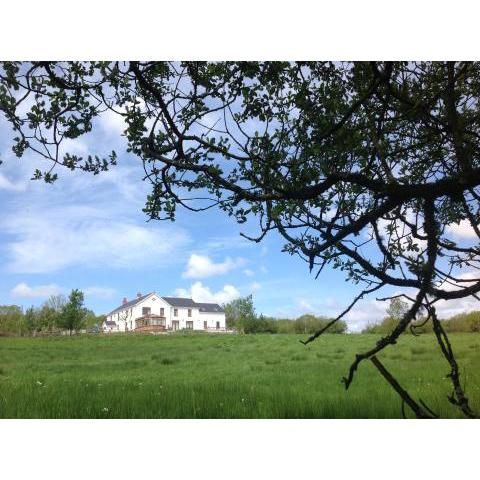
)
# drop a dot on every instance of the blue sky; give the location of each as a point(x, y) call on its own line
point(89, 232)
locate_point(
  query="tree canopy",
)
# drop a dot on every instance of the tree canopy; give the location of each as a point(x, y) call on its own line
point(73, 313)
point(362, 166)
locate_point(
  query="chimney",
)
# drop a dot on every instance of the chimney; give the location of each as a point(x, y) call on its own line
point(124, 300)
point(139, 295)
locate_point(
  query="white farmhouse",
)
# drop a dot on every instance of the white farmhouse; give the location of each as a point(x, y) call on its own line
point(154, 313)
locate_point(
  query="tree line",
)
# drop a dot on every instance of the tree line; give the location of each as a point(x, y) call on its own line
point(466, 322)
point(240, 315)
point(56, 315)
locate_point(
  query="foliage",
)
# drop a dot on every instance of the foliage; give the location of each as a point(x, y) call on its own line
point(240, 315)
point(310, 324)
point(73, 314)
point(397, 309)
point(32, 321)
point(11, 320)
point(466, 322)
point(46, 319)
point(463, 322)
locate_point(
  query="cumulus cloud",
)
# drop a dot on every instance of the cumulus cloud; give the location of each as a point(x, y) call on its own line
point(448, 308)
point(462, 230)
point(9, 186)
point(305, 306)
point(23, 290)
point(46, 241)
point(201, 293)
point(365, 312)
point(202, 266)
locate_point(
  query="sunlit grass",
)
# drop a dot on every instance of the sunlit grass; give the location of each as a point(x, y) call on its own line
point(220, 376)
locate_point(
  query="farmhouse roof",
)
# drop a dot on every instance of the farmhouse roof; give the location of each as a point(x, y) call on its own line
point(131, 303)
point(180, 302)
point(188, 302)
point(209, 307)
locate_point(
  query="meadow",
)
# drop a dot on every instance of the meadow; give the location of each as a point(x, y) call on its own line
point(224, 376)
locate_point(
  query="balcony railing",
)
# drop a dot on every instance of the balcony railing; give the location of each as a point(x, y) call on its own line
point(150, 322)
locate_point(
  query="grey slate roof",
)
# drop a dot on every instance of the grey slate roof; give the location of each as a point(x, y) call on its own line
point(180, 302)
point(131, 303)
point(209, 307)
point(189, 303)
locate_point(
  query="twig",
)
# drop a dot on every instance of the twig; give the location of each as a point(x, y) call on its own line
point(329, 324)
point(417, 409)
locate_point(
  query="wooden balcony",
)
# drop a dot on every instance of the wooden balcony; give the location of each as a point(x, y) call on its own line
point(150, 323)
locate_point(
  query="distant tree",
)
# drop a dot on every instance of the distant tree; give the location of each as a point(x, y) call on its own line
point(99, 321)
point(463, 322)
point(56, 302)
point(92, 321)
point(73, 313)
point(240, 314)
point(32, 320)
point(398, 308)
point(309, 323)
point(11, 320)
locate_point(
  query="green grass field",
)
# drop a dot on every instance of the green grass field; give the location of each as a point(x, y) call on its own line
point(223, 376)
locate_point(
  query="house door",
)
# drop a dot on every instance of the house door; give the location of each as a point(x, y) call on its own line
point(175, 324)
point(204, 324)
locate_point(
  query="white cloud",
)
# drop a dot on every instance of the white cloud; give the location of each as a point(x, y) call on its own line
point(255, 286)
point(305, 306)
point(248, 272)
point(201, 266)
point(448, 308)
point(23, 290)
point(104, 293)
point(9, 186)
point(365, 312)
point(201, 293)
point(462, 230)
point(51, 240)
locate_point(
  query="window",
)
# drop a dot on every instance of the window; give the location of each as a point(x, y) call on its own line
point(146, 310)
point(189, 325)
point(162, 312)
point(189, 312)
point(175, 312)
point(218, 325)
point(205, 325)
